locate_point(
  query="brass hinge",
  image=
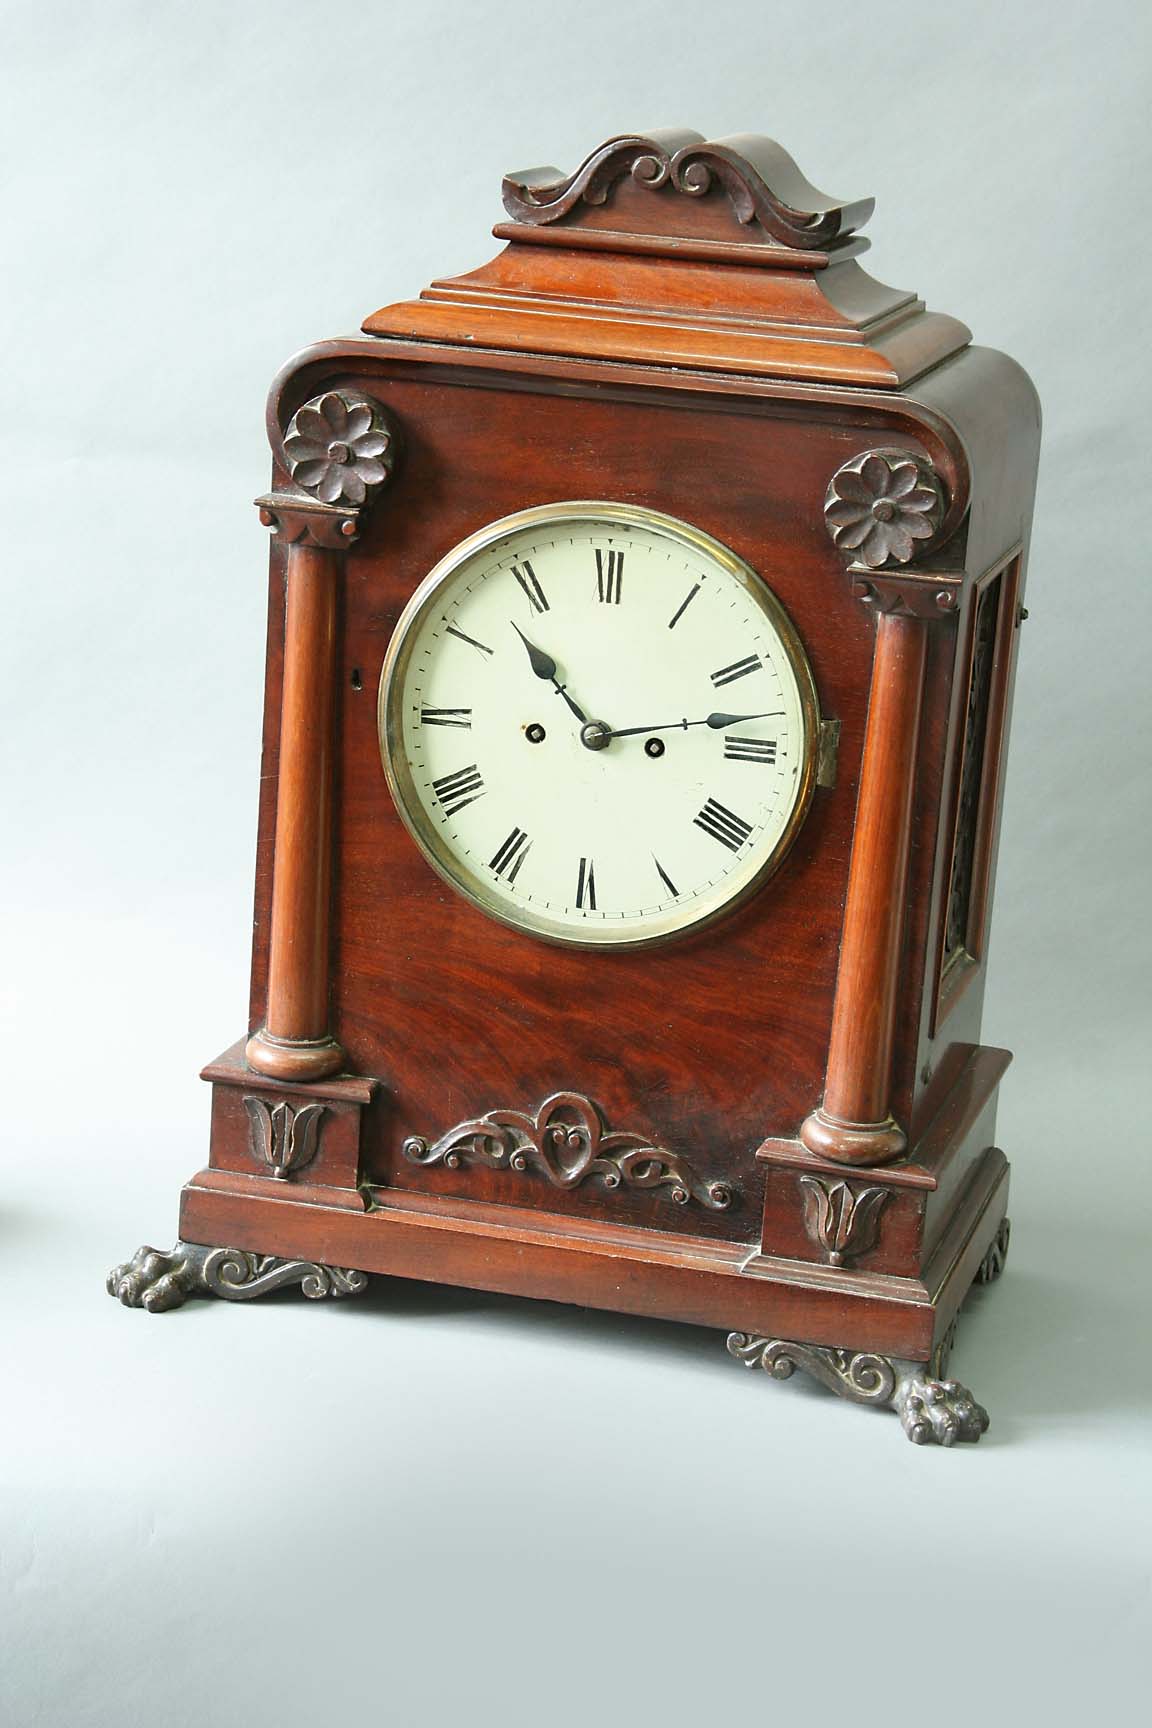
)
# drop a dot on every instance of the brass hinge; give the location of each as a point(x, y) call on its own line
point(827, 751)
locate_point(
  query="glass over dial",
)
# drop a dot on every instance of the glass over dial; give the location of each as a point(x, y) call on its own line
point(598, 724)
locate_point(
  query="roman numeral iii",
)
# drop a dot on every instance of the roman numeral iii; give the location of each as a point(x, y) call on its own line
point(526, 577)
point(609, 576)
point(723, 825)
point(454, 791)
point(511, 854)
point(446, 717)
point(586, 886)
point(738, 669)
point(750, 749)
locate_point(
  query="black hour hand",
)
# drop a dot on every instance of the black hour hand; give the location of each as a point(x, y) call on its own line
point(545, 667)
point(542, 664)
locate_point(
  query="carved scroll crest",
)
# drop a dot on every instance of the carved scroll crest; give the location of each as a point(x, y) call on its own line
point(842, 1217)
point(283, 1136)
point(762, 183)
point(568, 1142)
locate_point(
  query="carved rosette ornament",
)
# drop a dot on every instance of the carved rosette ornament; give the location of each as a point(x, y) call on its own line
point(568, 1143)
point(842, 1218)
point(159, 1279)
point(340, 448)
point(283, 1136)
point(931, 1411)
point(879, 505)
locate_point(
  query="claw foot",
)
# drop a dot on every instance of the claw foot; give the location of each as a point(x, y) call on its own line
point(159, 1280)
point(937, 1412)
point(155, 1279)
point(931, 1411)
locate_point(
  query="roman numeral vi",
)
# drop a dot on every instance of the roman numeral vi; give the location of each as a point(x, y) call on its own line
point(586, 886)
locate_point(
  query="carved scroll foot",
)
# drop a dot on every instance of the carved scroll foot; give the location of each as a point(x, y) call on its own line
point(932, 1412)
point(993, 1262)
point(158, 1280)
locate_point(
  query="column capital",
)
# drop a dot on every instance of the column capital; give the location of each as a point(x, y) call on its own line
point(883, 510)
point(300, 521)
point(339, 451)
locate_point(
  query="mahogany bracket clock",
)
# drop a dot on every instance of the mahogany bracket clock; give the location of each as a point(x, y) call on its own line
point(643, 614)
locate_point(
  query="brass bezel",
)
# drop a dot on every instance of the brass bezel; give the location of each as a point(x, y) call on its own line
point(389, 706)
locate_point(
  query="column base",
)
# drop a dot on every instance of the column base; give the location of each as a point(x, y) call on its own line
point(852, 1142)
point(293, 1058)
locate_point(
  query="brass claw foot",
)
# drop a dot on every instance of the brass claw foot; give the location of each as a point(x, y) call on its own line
point(932, 1412)
point(158, 1280)
point(935, 1412)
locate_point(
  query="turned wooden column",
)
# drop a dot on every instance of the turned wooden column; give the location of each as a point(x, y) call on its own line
point(338, 448)
point(878, 506)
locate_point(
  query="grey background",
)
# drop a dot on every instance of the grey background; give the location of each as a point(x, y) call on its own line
point(424, 1506)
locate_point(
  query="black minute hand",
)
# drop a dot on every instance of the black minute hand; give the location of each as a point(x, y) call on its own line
point(716, 721)
point(545, 667)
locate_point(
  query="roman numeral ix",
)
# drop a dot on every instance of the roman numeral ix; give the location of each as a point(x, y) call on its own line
point(446, 717)
point(723, 825)
point(511, 854)
point(526, 577)
point(750, 749)
point(454, 791)
point(738, 669)
point(586, 886)
point(609, 576)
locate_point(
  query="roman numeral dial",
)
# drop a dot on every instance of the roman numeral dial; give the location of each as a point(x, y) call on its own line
point(599, 727)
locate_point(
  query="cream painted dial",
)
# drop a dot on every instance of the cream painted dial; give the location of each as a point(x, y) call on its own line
point(598, 724)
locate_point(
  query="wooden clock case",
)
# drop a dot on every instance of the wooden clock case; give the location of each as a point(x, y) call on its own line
point(782, 1125)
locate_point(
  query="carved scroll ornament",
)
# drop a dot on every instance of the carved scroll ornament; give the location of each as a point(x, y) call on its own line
point(283, 1136)
point(841, 1218)
point(932, 1412)
point(567, 1142)
point(160, 1279)
point(762, 182)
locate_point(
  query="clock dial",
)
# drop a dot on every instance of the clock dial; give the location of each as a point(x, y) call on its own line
point(598, 724)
